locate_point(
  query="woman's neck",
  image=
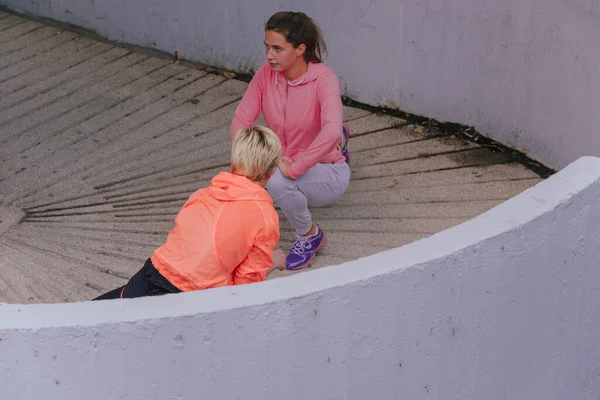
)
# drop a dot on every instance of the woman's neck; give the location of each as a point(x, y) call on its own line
point(296, 71)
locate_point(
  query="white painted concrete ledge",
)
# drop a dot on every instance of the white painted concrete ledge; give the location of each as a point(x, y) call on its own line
point(505, 306)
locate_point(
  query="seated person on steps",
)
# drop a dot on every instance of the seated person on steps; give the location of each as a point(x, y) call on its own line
point(225, 234)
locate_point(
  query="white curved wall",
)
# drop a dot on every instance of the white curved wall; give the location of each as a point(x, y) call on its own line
point(502, 307)
point(523, 71)
point(505, 306)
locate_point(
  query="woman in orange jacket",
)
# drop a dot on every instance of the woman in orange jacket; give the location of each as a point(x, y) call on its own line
point(224, 234)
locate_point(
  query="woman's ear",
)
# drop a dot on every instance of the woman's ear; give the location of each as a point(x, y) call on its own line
point(300, 50)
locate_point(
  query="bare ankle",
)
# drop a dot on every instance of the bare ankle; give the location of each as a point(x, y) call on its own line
point(312, 231)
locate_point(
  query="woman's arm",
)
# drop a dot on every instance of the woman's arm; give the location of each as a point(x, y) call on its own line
point(262, 258)
point(257, 265)
point(249, 108)
point(328, 95)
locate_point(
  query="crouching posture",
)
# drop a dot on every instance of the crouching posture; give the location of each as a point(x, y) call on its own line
point(300, 100)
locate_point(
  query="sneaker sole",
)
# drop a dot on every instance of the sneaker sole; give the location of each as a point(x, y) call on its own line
point(346, 140)
point(311, 259)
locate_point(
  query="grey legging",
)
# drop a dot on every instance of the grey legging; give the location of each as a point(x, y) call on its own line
point(321, 185)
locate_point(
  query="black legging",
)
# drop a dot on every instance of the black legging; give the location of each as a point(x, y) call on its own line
point(146, 282)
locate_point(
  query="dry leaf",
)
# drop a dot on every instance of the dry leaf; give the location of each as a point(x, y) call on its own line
point(419, 129)
point(177, 59)
point(228, 75)
point(396, 181)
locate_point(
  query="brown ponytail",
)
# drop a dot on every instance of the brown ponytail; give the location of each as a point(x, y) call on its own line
point(298, 28)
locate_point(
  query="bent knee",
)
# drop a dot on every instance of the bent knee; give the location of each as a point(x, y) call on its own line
point(278, 186)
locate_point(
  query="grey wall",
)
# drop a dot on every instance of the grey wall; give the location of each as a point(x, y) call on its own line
point(522, 71)
point(505, 306)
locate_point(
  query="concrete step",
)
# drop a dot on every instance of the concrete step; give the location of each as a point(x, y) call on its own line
point(102, 145)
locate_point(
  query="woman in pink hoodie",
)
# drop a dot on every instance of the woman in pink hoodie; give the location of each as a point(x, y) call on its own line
point(300, 100)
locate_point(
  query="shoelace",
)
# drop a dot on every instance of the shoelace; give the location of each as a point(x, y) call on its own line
point(300, 244)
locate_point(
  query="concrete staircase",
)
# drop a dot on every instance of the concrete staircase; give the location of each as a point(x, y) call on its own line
point(100, 146)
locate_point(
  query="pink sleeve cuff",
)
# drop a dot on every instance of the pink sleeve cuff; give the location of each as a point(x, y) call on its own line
point(293, 171)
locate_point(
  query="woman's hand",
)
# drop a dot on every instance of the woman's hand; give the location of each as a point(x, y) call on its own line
point(278, 258)
point(284, 164)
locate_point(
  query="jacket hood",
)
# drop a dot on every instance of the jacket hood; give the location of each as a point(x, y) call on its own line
point(314, 71)
point(229, 187)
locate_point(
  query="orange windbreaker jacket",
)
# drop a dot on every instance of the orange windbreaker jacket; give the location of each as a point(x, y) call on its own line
point(224, 235)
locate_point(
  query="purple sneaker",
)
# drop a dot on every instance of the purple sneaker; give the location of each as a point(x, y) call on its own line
point(344, 142)
point(304, 250)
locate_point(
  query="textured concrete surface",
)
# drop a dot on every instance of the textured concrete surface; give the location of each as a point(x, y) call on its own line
point(523, 72)
point(100, 146)
point(9, 217)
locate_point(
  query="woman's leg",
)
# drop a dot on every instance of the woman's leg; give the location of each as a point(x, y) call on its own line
point(319, 186)
point(324, 184)
point(113, 294)
point(146, 282)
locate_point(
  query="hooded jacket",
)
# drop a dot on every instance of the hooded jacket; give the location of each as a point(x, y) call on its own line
point(223, 235)
point(306, 114)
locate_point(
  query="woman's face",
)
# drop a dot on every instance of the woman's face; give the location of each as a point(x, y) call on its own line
point(280, 54)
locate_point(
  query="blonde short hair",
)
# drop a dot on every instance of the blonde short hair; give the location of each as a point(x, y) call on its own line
point(255, 152)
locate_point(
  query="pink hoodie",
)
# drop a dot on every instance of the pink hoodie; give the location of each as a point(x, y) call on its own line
point(306, 114)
